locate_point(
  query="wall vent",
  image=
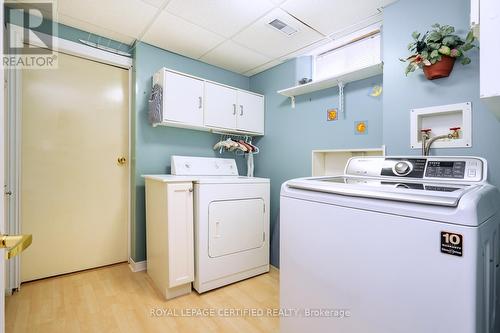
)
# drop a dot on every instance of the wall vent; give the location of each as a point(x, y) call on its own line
point(283, 27)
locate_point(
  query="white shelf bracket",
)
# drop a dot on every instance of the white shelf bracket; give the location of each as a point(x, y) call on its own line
point(292, 100)
point(341, 97)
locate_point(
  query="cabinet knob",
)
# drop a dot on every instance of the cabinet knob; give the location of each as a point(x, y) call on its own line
point(241, 110)
point(200, 102)
point(234, 109)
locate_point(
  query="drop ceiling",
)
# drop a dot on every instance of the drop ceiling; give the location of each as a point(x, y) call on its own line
point(232, 34)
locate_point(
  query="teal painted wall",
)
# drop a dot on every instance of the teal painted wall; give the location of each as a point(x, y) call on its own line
point(404, 93)
point(291, 134)
point(152, 147)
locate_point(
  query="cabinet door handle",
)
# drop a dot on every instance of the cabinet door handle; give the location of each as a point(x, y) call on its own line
point(234, 109)
point(200, 102)
point(241, 110)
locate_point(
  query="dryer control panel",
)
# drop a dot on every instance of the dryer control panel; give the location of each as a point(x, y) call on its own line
point(203, 166)
point(469, 169)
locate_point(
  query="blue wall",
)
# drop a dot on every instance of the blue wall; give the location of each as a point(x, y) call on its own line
point(152, 147)
point(404, 93)
point(291, 134)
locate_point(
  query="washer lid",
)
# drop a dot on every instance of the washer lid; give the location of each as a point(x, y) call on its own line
point(441, 194)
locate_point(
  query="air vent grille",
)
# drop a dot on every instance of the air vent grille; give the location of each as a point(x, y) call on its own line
point(283, 27)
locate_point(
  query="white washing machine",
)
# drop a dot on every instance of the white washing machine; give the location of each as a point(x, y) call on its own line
point(231, 221)
point(396, 244)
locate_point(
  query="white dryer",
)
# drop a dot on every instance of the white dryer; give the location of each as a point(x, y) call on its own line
point(396, 244)
point(231, 221)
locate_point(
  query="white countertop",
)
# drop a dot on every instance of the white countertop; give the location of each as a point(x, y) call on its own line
point(171, 178)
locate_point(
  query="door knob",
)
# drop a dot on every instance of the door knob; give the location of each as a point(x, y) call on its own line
point(122, 160)
point(15, 244)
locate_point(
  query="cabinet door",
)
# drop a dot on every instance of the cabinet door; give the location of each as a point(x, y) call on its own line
point(220, 106)
point(180, 233)
point(182, 99)
point(250, 113)
point(490, 47)
point(232, 231)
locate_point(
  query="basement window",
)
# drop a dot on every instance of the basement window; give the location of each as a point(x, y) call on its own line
point(348, 55)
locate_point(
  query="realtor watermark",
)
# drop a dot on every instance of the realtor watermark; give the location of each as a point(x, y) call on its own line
point(250, 312)
point(30, 43)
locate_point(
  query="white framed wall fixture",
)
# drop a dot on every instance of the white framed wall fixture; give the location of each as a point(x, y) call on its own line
point(439, 119)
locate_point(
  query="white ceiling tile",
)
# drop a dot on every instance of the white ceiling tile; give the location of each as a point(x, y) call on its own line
point(129, 17)
point(309, 49)
point(177, 35)
point(234, 57)
point(156, 3)
point(329, 16)
point(225, 17)
point(266, 40)
point(86, 26)
point(263, 67)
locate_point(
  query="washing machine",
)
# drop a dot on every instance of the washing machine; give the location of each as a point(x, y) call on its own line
point(395, 244)
point(231, 221)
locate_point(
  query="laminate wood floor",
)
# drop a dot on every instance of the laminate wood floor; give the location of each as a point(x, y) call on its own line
point(114, 299)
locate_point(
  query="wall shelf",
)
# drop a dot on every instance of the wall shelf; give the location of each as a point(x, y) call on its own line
point(362, 73)
point(332, 162)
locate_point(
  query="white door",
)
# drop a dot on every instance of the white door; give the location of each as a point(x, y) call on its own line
point(220, 106)
point(235, 226)
point(250, 113)
point(2, 184)
point(74, 175)
point(183, 99)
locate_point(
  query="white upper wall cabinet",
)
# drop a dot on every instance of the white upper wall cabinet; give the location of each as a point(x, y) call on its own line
point(489, 50)
point(220, 106)
point(182, 99)
point(195, 103)
point(251, 112)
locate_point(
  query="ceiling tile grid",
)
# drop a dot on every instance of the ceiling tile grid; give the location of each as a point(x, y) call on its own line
point(175, 34)
point(232, 34)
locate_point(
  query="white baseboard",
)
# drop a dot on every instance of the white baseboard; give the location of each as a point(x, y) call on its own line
point(136, 266)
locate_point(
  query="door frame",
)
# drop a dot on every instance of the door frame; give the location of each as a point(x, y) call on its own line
point(14, 80)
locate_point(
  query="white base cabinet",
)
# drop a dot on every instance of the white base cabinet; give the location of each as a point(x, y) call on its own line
point(489, 50)
point(169, 236)
point(196, 103)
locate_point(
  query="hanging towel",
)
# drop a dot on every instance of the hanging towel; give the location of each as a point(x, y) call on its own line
point(155, 111)
point(250, 166)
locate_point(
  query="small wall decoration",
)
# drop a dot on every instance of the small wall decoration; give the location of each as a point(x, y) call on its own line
point(376, 91)
point(360, 127)
point(332, 114)
point(436, 51)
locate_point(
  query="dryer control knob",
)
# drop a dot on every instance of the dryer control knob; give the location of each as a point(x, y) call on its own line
point(402, 168)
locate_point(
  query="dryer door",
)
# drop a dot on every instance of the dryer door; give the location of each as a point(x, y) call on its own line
point(235, 226)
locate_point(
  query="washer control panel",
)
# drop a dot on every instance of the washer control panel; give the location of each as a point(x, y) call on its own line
point(471, 169)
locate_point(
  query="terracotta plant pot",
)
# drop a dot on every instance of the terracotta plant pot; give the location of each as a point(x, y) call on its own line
point(440, 69)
